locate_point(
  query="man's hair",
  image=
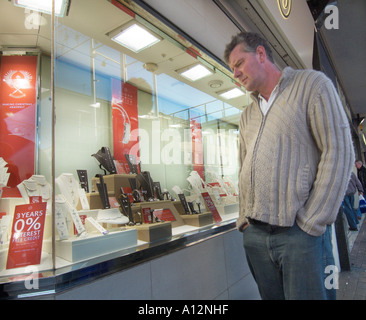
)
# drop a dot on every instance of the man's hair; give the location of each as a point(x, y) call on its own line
point(250, 41)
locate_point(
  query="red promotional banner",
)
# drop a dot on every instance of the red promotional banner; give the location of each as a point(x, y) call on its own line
point(211, 206)
point(125, 122)
point(197, 148)
point(18, 96)
point(25, 246)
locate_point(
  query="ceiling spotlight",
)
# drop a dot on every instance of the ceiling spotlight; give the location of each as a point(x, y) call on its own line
point(150, 66)
point(215, 84)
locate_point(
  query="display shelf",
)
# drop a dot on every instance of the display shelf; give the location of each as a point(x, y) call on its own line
point(70, 274)
point(78, 249)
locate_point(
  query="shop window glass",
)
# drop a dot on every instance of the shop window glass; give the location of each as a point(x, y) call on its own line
point(135, 106)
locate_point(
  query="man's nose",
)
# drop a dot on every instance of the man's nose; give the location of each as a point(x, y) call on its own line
point(236, 73)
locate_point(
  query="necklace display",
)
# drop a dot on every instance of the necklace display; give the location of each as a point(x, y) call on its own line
point(36, 185)
point(69, 187)
point(63, 210)
point(4, 174)
point(61, 218)
point(31, 187)
point(45, 187)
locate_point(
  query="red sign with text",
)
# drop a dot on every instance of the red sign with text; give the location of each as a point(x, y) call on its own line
point(25, 246)
point(211, 206)
point(18, 96)
point(125, 122)
point(164, 214)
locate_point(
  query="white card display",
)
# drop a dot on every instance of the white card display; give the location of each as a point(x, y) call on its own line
point(90, 223)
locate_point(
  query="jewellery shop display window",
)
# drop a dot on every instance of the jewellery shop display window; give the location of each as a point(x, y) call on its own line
point(106, 145)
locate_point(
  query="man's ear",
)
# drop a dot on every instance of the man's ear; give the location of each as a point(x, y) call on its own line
point(261, 53)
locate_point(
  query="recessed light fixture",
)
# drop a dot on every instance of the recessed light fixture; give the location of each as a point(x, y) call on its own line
point(230, 94)
point(134, 36)
point(44, 6)
point(195, 72)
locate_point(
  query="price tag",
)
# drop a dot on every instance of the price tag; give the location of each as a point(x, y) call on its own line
point(25, 246)
point(146, 215)
point(35, 199)
point(113, 202)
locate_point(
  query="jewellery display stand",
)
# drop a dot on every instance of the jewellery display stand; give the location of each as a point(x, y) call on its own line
point(94, 200)
point(111, 216)
point(4, 174)
point(8, 204)
point(83, 178)
point(222, 192)
point(106, 160)
point(66, 212)
point(69, 187)
point(228, 208)
point(114, 182)
point(228, 205)
point(165, 204)
point(36, 185)
point(154, 231)
point(91, 239)
point(157, 230)
point(103, 192)
point(196, 220)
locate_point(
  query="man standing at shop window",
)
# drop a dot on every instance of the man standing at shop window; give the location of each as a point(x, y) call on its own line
point(296, 157)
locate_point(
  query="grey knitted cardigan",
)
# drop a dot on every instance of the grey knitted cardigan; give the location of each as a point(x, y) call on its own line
point(296, 161)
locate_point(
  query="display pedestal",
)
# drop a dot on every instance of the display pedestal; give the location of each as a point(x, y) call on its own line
point(114, 182)
point(164, 204)
point(154, 231)
point(228, 208)
point(198, 220)
point(3, 258)
point(78, 249)
point(94, 200)
point(9, 204)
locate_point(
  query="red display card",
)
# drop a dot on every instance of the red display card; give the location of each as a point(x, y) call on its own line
point(146, 215)
point(164, 214)
point(211, 206)
point(25, 246)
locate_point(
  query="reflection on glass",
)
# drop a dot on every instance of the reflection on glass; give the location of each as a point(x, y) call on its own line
point(166, 109)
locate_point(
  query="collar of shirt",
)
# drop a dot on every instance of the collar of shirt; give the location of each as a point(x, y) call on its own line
point(266, 105)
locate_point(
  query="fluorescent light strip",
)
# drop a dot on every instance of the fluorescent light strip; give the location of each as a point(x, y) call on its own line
point(135, 38)
point(233, 93)
point(44, 5)
point(195, 73)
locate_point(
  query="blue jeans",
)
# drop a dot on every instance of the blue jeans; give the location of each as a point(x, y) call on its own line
point(358, 213)
point(288, 263)
point(349, 211)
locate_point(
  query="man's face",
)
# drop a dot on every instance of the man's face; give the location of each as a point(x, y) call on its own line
point(247, 67)
point(358, 165)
